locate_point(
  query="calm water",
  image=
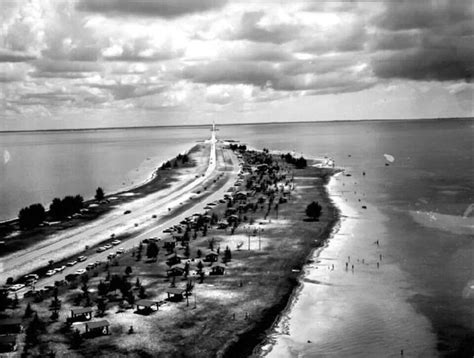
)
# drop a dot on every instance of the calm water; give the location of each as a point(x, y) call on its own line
point(417, 300)
point(45, 165)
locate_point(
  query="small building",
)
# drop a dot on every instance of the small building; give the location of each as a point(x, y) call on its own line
point(241, 195)
point(169, 243)
point(10, 326)
point(211, 256)
point(8, 344)
point(97, 328)
point(176, 270)
point(146, 306)
point(81, 314)
point(218, 269)
point(175, 294)
point(173, 259)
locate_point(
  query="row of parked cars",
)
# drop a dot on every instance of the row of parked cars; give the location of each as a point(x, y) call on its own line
point(108, 246)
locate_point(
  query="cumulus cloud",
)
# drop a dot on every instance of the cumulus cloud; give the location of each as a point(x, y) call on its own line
point(253, 27)
point(234, 56)
point(149, 8)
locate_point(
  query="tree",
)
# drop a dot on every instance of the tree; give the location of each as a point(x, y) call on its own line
point(99, 194)
point(76, 339)
point(28, 311)
point(4, 300)
point(227, 254)
point(102, 288)
point(141, 292)
point(101, 306)
point(128, 270)
point(152, 250)
point(313, 210)
point(31, 216)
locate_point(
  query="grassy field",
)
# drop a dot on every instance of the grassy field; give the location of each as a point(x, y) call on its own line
point(224, 315)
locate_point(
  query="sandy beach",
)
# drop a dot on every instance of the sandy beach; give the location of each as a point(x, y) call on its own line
point(351, 295)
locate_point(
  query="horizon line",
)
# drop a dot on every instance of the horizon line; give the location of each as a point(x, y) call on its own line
point(228, 124)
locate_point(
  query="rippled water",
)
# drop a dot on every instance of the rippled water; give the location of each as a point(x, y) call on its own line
point(416, 299)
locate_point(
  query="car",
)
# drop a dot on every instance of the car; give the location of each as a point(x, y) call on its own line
point(101, 249)
point(211, 204)
point(111, 256)
point(90, 266)
point(80, 271)
point(82, 258)
point(108, 246)
point(167, 230)
point(116, 242)
point(32, 276)
point(30, 282)
point(126, 212)
point(120, 251)
point(50, 272)
point(16, 287)
point(60, 269)
point(71, 263)
point(222, 201)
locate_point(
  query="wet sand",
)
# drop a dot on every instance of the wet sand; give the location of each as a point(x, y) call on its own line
point(361, 311)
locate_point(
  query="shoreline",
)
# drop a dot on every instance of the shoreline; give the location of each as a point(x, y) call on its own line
point(251, 342)
point(144, 180)
point(159, 186)
point(269, 275)
point(289, 299)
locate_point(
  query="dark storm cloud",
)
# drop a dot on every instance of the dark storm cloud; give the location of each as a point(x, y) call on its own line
point(427, 14)
point(149, 8)
point(124, 91)
point(287, 77)
point(7, 55)
point(439, 43)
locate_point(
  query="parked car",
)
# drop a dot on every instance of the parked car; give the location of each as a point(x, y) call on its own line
point(108, 246)
point(82, 258)
point(71, 263)
point(101, 249)
point(16, 287)
point(90, 266)
point(50, 272)
point(126, 212)
point(80, 271)
point(32, 276)
point(116, 242)
point(120, 251)
point(111, 256)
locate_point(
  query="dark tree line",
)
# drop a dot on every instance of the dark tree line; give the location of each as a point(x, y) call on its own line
point(239, 147)
point(31, 216)
point(299, 163)
point(69, 205)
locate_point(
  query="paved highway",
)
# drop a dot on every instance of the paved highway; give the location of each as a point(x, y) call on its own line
point(157, 229)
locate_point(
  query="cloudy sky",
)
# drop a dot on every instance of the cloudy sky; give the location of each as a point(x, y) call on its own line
point(99, 63)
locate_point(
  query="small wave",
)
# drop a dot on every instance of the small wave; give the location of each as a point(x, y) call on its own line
point(461, 225)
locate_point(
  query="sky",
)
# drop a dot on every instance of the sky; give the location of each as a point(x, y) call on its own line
point(109, 63)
